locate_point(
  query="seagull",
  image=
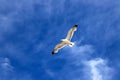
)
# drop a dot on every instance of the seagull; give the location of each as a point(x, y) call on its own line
point(66, 41)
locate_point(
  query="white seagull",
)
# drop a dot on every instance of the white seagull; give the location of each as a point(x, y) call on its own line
point(66, 41)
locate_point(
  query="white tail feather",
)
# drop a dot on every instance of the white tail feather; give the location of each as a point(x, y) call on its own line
point(71, 45)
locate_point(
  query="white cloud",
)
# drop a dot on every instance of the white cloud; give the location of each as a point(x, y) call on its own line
point(94, 68)
point(8, 72)
point(50, 73)
point(76, 57)
point(5, 65)
point(99, 70)
point(80, 52)
point(6, 69)
point(83, 49)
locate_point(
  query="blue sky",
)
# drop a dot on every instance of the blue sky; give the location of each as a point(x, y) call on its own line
point(30, 29)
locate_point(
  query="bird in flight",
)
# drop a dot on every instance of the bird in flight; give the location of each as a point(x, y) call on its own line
point(66, 41)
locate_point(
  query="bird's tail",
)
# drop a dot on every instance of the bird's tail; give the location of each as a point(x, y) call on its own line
point(71, 44)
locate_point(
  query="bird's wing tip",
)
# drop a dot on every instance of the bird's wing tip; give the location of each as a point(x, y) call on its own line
point(75, 25)
point(53, 53)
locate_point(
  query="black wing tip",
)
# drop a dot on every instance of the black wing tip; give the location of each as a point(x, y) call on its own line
point(53, 53)
point(75, 25)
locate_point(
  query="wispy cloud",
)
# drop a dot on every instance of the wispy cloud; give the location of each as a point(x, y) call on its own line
point(92, 67)
point(80, 51)
point(83, 49)
point(6, 69)
point(74, 62)
point(8, 72)
point(5, 64)
point(98, 69)
point(50, 73)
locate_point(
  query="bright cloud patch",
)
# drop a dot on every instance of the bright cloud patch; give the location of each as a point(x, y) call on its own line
point(99, 70)
point(5, 64)
point(8, 72)
point(95, 68)
point(81, 50)
point(6, 69)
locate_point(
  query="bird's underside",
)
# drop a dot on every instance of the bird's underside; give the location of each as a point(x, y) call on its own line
point(66, 41)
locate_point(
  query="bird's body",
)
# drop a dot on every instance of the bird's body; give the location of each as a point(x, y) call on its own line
point(66, 41)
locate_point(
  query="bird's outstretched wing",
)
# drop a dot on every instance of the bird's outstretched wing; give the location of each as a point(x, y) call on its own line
point(71, 32)
point(58, 46)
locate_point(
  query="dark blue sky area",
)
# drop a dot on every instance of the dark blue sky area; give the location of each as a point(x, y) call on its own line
point(30, 29)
